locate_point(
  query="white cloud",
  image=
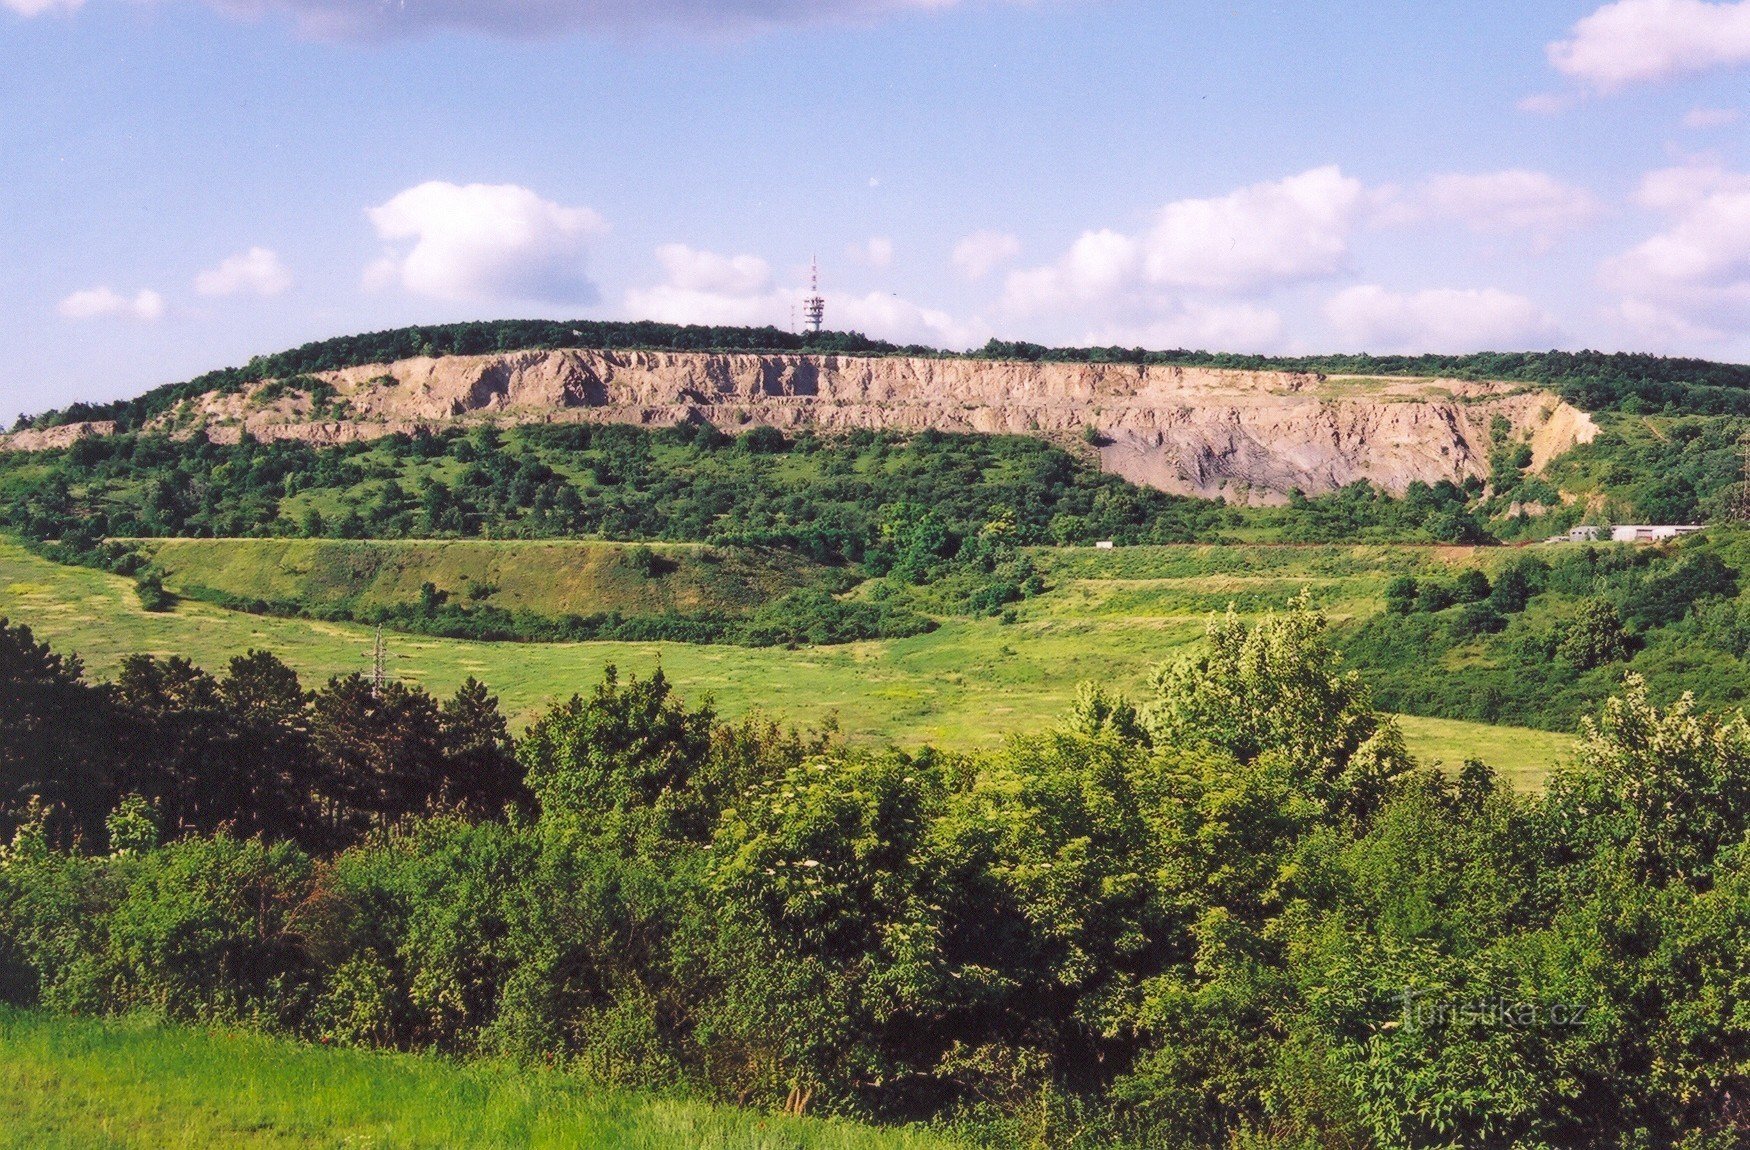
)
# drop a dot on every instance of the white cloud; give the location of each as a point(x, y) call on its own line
point(39, 7)
point(981, 253)
point(1682, 188)
point(257, 271)
point(1438, 320)
point(707, 288)
point(1635, 41)
point(1692, 277)
point(875, 252)
point(1514, 200)
point(485, 242)
point(1235, 326)
point(530, 19)
point(1711, 117)
point(1291, 229)
point(1546, 103)
point(104, 302)
point(692, 270)
point(1251, 240)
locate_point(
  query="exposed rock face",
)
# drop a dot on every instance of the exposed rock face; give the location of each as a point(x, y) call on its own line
point(1204, 431)
point(50, 438)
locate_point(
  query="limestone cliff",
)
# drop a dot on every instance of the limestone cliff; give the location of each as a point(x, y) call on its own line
point(1204, 431)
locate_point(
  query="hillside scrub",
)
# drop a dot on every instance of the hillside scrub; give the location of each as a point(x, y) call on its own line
point(1228, 912)
point(1550, 637)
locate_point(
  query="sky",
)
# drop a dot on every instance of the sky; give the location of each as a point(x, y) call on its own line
point(187, 183)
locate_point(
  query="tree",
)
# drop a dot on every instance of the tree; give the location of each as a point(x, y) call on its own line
point(481, 773)
point(1276, 687)
point(54, 735)
point(381, 752)
point(1669, 788)
point(1471, 585)
point(622, 763)
point(1400, 595)
point(1595, 637)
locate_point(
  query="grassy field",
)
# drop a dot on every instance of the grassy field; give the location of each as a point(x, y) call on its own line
point(546, 577)
point(1109, 616)
point(76, 1083)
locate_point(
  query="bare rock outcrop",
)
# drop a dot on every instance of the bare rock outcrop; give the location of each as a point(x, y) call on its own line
point(51, 438)
point(1251, 435)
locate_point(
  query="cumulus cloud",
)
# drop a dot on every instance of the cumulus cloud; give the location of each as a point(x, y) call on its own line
point(1195, 275)
point(1693, 276)
point(1546, 103)
point(981, 253)
point(1250, 240)
point(1637, 41)
point(532, 19)
point(708, 288)
point(875, 252)
point(1290, 229)
point(1225, 326)
point(257, 271)
point(485, 242)
point(1448, 320)
point(104, 302)
point(1493, 202)
point(39, 7)
point(1711, 117)
point(692, 270)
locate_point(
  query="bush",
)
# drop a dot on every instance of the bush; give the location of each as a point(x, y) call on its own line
point(153, 596)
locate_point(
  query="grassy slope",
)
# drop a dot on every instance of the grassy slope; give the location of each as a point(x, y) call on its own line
point(1109, 617)
point(68, 1083)
point(549, 578)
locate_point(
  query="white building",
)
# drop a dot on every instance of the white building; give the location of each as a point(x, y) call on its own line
point(1648, 533)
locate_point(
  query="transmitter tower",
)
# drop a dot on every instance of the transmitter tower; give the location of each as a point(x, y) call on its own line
point(814, 307)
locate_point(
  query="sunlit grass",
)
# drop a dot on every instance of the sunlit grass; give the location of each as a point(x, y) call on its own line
point(1108, 617)
point(78, 1083)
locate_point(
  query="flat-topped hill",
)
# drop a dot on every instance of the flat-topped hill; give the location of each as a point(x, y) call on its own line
point(1241, 434)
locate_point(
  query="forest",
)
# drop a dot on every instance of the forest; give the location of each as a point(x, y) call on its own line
point(1229, 912)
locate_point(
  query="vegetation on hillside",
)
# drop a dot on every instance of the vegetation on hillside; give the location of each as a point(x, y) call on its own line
point(1228, 912)
point(1549, 636)
point(1105, 615)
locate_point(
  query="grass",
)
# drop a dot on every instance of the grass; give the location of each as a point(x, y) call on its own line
point(1525, 756)
point(78, 1083)
point(546, 577)
point(1109, 617)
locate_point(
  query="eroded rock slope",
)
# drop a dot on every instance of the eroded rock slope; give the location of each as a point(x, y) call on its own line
point(1236, 434)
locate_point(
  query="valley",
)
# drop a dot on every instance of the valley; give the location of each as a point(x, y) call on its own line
point(966, 686)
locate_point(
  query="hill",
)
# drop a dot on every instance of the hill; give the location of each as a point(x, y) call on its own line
point(1594, 380)
point(545, 577)
point(1245, 436)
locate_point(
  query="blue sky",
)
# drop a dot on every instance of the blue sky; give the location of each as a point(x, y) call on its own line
point(186, 183)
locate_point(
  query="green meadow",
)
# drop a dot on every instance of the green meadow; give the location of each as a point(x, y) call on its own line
point(72, 1084)
point(1107, 616)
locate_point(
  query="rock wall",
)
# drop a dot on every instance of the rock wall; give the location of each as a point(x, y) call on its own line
point(1204, 431)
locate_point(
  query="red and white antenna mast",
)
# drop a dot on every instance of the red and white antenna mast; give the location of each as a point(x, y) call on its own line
point(814, 307)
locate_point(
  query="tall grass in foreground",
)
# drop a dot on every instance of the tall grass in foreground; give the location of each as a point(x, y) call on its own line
point(67, 1083)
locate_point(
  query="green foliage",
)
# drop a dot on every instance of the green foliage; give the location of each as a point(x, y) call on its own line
point(622, 762)
point(1234, 915)
point(1276, 688)
point(887, 503)
point(1552, 637)
point(153, 597)
point(1595, 638)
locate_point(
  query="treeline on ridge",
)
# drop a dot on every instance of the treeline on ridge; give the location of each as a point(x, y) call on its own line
point(1598, 381)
